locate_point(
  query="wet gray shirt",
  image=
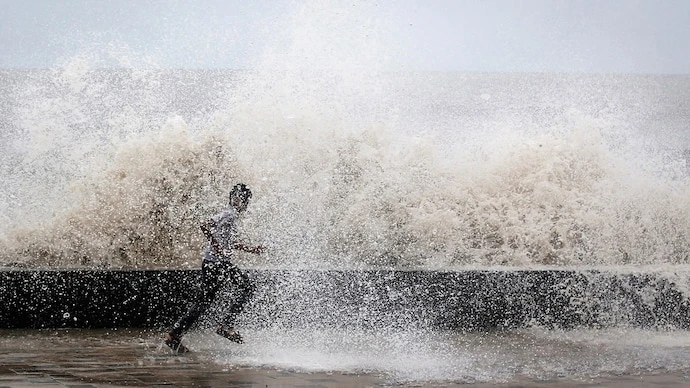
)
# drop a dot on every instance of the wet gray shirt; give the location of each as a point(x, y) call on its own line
point(225, 233)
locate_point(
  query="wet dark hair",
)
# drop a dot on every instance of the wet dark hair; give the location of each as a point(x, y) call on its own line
point(241, 191)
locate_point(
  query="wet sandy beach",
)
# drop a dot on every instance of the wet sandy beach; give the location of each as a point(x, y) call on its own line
point(100, 358)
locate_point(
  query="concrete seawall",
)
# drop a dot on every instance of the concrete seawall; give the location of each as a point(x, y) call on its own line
point(464, 300)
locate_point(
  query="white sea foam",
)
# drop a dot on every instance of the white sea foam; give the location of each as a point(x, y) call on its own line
point(96, 181)
point(351, 166)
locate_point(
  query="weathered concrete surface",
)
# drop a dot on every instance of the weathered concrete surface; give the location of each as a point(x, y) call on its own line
point(465, 300)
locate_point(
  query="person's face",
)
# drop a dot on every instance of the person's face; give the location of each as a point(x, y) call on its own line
point(239, 204)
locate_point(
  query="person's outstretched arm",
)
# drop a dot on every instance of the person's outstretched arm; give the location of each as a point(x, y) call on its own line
point(257, 250)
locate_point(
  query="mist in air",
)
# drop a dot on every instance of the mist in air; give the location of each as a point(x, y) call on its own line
point(360, 155)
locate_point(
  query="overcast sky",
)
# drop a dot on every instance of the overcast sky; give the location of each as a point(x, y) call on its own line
point(638, 36)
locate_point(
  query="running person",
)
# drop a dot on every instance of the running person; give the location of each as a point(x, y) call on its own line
point(217, 269)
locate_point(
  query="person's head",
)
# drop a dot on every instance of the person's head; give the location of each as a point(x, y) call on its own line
point(239, 197)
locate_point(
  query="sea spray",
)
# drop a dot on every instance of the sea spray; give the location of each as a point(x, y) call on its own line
point(352, 165)
point(332, 194)
point(142, 211)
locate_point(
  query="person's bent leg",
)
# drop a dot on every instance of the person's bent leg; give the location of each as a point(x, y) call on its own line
point(211, 280)
point(245, 291)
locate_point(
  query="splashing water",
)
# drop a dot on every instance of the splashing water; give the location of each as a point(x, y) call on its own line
point(91, 181)
point(356, 166)
point(352, 165)
point(411, 357)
